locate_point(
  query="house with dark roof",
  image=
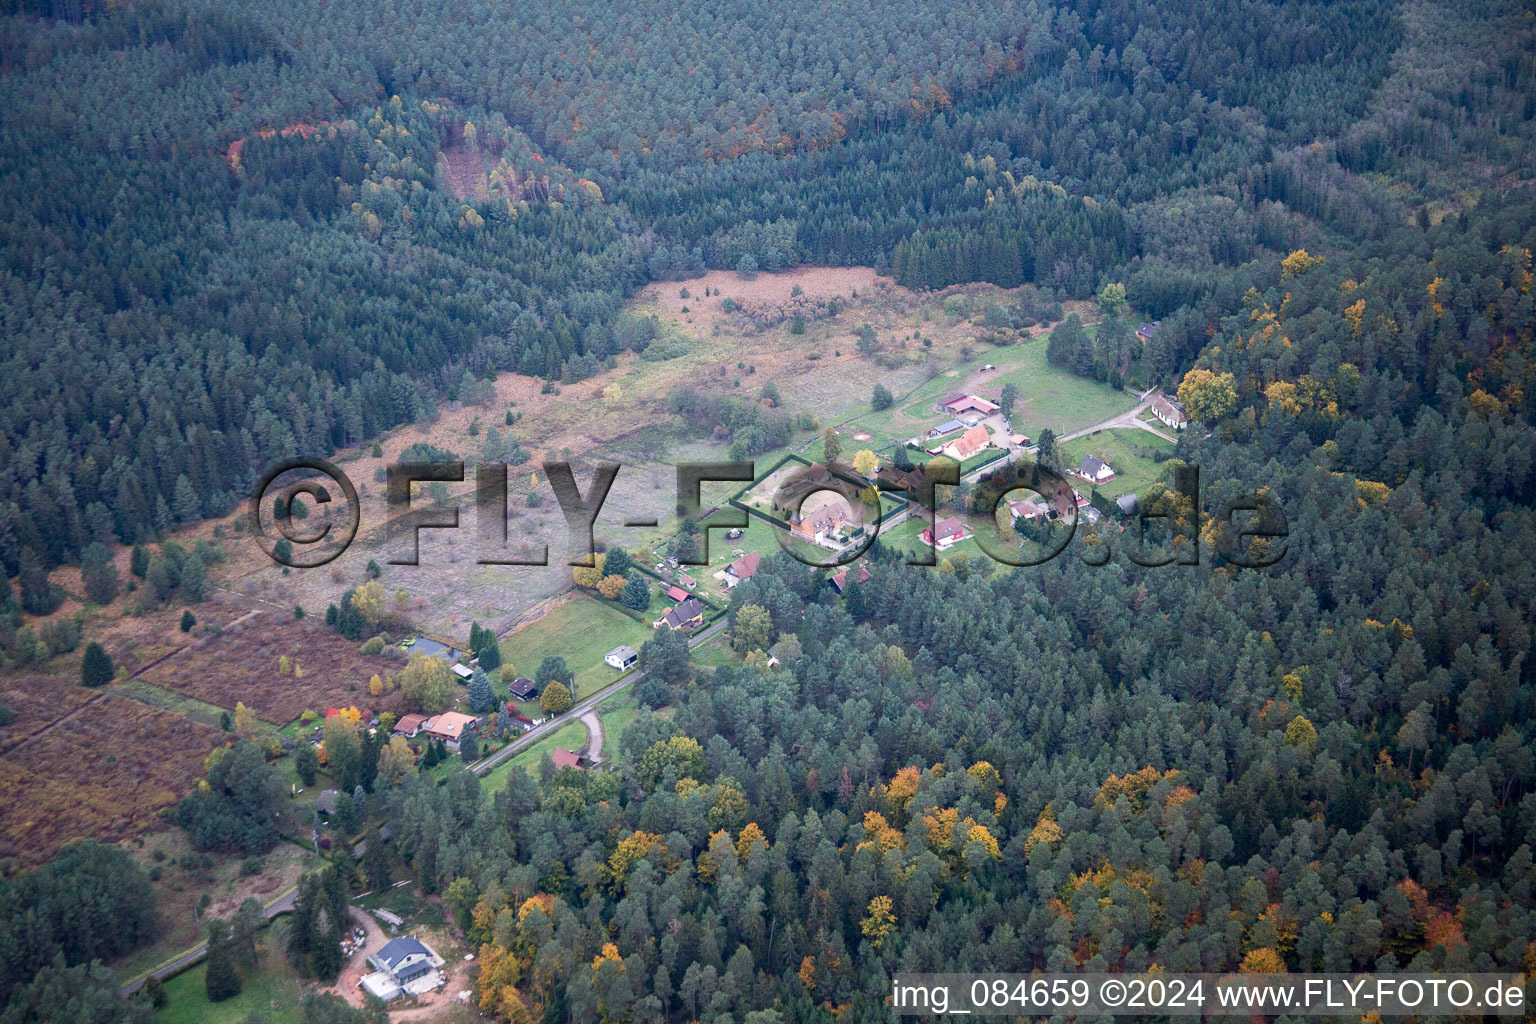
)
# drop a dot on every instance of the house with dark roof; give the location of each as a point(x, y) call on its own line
point(325, 803)
point(687, 615)
point(403, 965)
point(1145, 331)
point(404, 959)
point(523, 688)
point(1129, 504)
point(1170, 411)
point(1094, 469)
point(900, 479)
point(623, 656)
point(945, 428)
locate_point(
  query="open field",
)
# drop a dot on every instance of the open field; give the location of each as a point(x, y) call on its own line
point(106, 770)
point(1121, 449)
point(581, 630)
point(241, 665)
point(37, 701)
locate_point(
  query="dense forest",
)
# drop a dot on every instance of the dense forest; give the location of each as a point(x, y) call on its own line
point(240, 208)
point(226, 240)
point(1322, 766)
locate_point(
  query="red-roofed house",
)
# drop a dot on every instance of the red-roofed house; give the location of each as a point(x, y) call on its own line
point(963, 403)
point(742, 569)
point(568, 759)
point(410, 725)
point(969, 443)
point(948, 531)
point(840, 581)
point(819, 527)
point(677, 594)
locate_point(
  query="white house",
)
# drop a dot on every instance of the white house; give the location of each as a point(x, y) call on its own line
point(1094, 470)
point(622, 657)
point(1169, 411)
point(403, 965)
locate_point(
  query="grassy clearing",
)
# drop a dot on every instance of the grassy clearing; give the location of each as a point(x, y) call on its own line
point(571, 736)
point(1125, 451)
point(170, 700)
point(581, 631)
point(714, 652)
point(270, 991)
point(1050, 396)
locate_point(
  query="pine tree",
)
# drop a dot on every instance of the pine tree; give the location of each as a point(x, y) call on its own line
point(482, 695)
point(38, 595)
point(222, 980)
point(98, 573)
point(96, 667)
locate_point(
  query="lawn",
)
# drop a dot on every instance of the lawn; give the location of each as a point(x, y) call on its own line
point(571, 736)
point(616, 713)
point(580, 630)
point(271, 990)
point(1122, 449)
point(620, 710)
point(1047, 397)
point(714, 652)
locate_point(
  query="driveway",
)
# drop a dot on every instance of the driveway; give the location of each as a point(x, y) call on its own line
point(594, 725)
point(1125, 420)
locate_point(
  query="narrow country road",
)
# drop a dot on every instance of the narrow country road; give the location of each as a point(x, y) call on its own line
point(281, 905)
point(578, 710)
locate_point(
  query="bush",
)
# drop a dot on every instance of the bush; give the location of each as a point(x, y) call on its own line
point(882, 398)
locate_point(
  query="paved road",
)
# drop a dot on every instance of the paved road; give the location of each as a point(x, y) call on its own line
point(1131, 419)
point(538, 732)
point(281, 905)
